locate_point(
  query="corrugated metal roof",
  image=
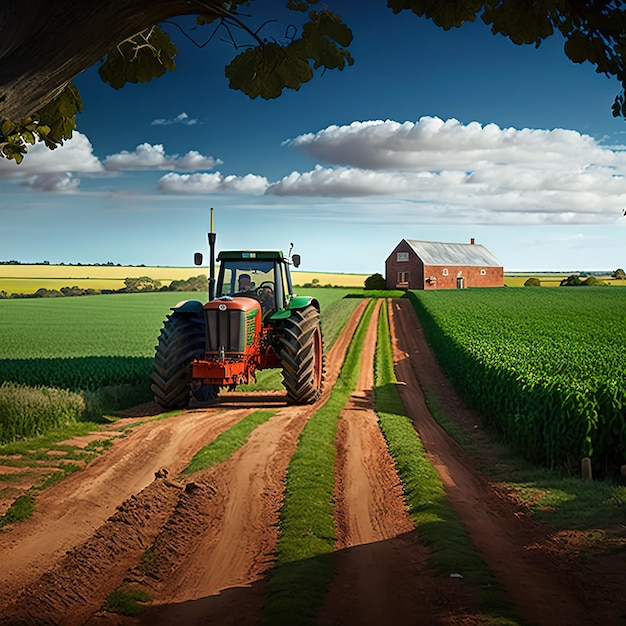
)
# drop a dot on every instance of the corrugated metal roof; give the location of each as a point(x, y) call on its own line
point(437, 253)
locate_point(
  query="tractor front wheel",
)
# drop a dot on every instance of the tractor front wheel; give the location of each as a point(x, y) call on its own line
point(182, 339)
point(301, 356)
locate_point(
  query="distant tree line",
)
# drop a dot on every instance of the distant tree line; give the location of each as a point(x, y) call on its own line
point(576, 280)
point(141, 284)
point(107, 264)
point(581, 279)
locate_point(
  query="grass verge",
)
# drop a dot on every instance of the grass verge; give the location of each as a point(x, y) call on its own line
point(303, 568)
point(597, 507)
point(28, 412)
point(45, 460)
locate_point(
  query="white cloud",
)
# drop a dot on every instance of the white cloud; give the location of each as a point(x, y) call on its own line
point(153, 157)
point(211, 183)
point(75, 155)
point(345, 181)
point(432, 144)
point(433, 169)
point(48, 170)
point(482, 173)
point(181, 118)
point(62, 182)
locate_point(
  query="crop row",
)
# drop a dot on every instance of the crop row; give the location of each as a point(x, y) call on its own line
point(80, 373)
point(546, 369)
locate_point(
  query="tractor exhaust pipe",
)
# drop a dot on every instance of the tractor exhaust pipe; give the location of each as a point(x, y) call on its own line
point(212, 237)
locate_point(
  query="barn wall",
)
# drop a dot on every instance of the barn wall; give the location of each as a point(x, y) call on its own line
point(414, 267)
point(493, 276)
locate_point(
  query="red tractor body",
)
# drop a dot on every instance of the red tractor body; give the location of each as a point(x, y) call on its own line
point(237, 344)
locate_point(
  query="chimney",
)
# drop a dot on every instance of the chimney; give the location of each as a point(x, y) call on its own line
point(472, 241)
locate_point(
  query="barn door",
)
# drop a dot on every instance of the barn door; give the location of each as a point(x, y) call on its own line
point(460, 282)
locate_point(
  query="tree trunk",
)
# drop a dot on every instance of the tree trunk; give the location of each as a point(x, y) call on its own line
point(44, 44)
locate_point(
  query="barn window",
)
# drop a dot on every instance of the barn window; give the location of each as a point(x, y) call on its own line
point(403, 277)
point(445, 271)
point(483, 272)
point(402, 256)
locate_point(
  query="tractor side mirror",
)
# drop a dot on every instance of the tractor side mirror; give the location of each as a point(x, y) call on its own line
point(295, 259)
point(197, 258)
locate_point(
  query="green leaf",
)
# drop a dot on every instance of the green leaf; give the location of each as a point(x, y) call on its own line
point(577, 47)
point(267, 70)
point(139, 59)
point(449, 14)
point(522, 23)
point(297, 5)
point(325, 24)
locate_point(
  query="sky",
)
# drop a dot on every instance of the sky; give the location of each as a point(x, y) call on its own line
point(431, 135)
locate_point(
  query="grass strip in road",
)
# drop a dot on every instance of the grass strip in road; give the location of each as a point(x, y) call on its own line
point(227, 442)
point(126, 601)
point(439, 528)
point(22, 508)
point(304, 569)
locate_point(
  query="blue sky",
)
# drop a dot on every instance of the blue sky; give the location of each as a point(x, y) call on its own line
point(432, 135)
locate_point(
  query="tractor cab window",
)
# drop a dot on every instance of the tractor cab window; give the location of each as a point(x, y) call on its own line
point(255, 279)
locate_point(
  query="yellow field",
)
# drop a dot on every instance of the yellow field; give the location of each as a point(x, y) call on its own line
point(547, 280)
point(325, 278)
point(29, 278)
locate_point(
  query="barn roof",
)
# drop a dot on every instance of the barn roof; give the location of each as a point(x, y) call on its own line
point(437, 253)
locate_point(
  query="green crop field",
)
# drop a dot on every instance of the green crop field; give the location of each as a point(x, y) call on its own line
point(92, 341)
point(545, 367)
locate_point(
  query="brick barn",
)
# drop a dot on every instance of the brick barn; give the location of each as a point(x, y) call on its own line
point(435, 265)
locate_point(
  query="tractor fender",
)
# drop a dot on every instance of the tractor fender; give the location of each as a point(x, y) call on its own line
point(296, 303)
point(188, 306)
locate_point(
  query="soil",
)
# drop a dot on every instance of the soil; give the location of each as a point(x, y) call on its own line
point(202, 543)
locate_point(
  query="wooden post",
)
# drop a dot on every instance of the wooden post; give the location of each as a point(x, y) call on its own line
point(586, 468)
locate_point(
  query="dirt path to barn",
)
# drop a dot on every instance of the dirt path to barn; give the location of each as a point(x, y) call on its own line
point(202, 544)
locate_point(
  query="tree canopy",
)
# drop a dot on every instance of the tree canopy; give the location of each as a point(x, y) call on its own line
point(44, 44)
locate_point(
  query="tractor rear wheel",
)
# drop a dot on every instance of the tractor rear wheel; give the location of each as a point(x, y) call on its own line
point(301, 356)
point(182, 339)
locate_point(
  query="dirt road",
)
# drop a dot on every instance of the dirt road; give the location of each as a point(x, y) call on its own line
point(202, 544)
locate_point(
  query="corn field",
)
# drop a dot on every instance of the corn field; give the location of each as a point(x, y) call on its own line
point(546, 369)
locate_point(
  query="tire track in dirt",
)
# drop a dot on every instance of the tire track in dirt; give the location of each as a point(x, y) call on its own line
point(369, 500)
point(383, 574)
point(241, 497)
point(220, 574)
point(69, 512)
point(542, 588)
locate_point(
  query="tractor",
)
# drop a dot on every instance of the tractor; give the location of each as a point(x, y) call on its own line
point(252, 321)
